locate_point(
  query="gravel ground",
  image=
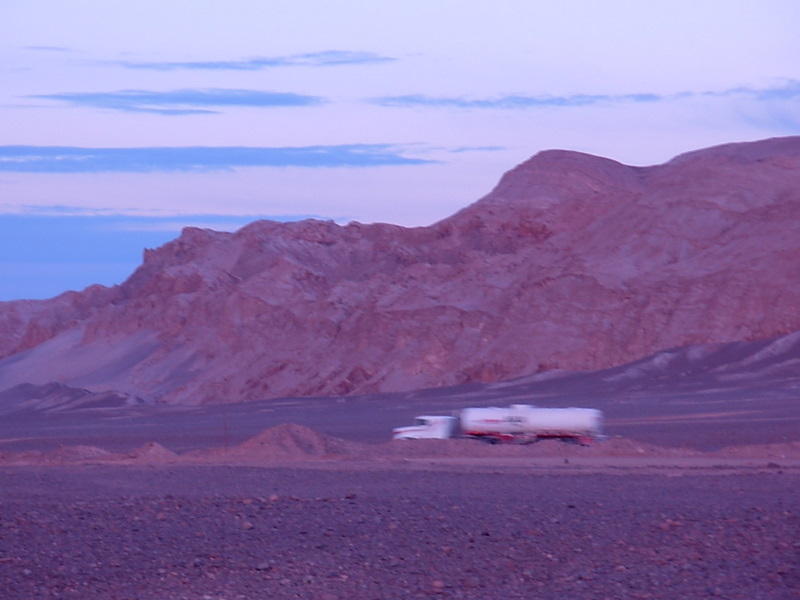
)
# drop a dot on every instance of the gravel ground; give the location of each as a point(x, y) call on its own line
point(223, 533)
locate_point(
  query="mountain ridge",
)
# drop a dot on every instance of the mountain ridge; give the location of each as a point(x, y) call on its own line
point(572, 261)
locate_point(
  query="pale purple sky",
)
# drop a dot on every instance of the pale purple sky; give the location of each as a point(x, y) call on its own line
point(178, 112)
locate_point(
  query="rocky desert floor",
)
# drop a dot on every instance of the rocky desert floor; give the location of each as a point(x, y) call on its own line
point(306, 498)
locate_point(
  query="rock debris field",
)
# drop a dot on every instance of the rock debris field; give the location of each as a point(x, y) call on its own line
point(292, 513)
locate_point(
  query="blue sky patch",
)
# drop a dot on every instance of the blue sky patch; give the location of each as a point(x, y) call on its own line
point(42, 256)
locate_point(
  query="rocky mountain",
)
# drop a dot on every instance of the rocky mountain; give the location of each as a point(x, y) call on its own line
point(571, 262)
point(54, 397)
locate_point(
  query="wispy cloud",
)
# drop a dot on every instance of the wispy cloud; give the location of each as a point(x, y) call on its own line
point(328, 58)
point(48, 48)
point(181, 102)
point(787, 90)
point(68, 159)
point(510, 102)
point(477, 149)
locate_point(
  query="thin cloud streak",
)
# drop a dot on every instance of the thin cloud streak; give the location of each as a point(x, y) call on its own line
point(182, 102)
point(463, 149)
point(511, 102)
point(136, 219)
point(65, 159)
point(47, 48)
point(329, 58)
point(789, 90)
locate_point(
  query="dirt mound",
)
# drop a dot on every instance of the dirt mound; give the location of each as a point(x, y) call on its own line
point(21, 458)
point(77, 454)
point(292, 442)
point(83, 454)
point(153, 451)
point(287, 442)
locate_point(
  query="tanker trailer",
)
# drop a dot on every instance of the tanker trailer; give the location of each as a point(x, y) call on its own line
point(518, 423)
point(524, 423)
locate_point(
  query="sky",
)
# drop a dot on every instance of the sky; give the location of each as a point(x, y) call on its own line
point(122, 122)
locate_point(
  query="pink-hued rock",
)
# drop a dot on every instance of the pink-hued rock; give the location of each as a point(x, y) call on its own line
point(571, 262)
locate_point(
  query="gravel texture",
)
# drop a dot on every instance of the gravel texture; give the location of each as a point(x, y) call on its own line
point(344, 531)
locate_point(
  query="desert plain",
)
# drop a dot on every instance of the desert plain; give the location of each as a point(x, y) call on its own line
point(695, 493)
point(218, 427)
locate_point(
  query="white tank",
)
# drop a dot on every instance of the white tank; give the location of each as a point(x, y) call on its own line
point(522, 419)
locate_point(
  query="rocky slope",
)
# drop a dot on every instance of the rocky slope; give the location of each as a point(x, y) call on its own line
point(572, 261)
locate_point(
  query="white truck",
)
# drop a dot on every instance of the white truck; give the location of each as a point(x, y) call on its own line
point(520, 423)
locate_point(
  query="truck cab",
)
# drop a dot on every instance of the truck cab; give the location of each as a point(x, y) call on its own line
point(436, 427)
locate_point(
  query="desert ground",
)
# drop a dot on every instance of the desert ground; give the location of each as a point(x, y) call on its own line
point(695, 494)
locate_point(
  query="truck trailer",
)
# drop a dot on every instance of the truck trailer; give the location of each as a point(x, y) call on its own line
point(518, 423)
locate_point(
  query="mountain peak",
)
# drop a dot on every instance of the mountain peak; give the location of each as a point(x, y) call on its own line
point(572, 261)
point(554, 176)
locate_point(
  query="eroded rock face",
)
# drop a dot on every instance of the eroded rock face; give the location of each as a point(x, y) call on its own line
point(573, 261)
